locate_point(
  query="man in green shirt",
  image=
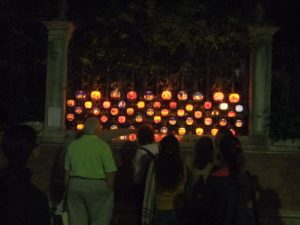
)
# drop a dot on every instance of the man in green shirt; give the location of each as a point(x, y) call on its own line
point(89, 176)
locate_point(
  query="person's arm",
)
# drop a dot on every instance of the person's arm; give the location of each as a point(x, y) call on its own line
point(110, 180)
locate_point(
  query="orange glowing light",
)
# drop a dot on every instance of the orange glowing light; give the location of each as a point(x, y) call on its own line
point(207, 105)
point(214, 131)
point(172, 121)
point(132, 137)
point(166, 95)
point(231, 114)
point(208, 121)
point(218, 96)
point(80, 126)
point(149, 96)
point(197, 114)
point(223, 122)
point(189, 107)
point(181, 130)
point(131, 95)
point(164, 112)
point(114, 111)
point(78, 109)
point(189, 121)
point(182, 96)
point(70, 103)
point(157, 119)
point(223, 106)
point(115, 94)
point(106, 104)
point(88, 104)
point(141, 104)
point(122, 119)
point(238, 123)
point(234, 97)
point(173, 105)
point(198, 96)
point(139, 119)
point(96, 111)
point(157, 105)
point(199, 131)
point(70, 117)
point(104, 118)
point(130, 111)
point(180, 112)
point(95, 95)
point(150, 112)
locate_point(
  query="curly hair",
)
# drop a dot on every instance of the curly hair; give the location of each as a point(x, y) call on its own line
point(169, 167)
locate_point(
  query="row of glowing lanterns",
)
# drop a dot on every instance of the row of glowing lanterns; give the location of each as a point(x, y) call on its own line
point(156, 109)
point(166, 95)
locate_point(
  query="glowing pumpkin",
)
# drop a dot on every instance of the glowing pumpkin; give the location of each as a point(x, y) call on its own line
point(132, 137)
point(198, 114)
point(189, 121)
point(198, 96)
point(148, 96)
point(172, 121)
point(234, 97)
point(173, 105)
point(223, 106)
point(164, 130)
point(150, 112)
point(164, 112)
point(122, 119)
point(238, 123)
point(181, 130)
point(95, 95)
point(121, 104)
point(106, 104)
point(115, 94)
point(78, 109)
point(214, 131)
point(208, 121)
point(199, 131)
point(96, 111)
point(215, 113)
point(104, 118)
point(141, 104)
point(70, 117)
point(207, 105)
point(239, 108)
point(157, 105)
point(166, 95)
point(114, 111)
point(130, 111)
point(114, 127)
point(131, 95)
point(80, 126)
point(231, 114)
point(88, 104)
point(189, 107)
point(80, 95)
point(182, 96)
point(180, 112)
point(223, 122)
point(218, 96)
point(70, 103)
point(139, 119)
point(157, 119)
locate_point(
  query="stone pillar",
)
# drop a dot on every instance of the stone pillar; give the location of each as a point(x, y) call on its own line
point(260, 83)
point(59, 35)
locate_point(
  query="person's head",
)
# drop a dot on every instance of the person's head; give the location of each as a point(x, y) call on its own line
point(232, 153)
point(169, 169)
point(222, 132)
point(92, 125)
point(18, 144)
point(203, 152)
point(145, 135)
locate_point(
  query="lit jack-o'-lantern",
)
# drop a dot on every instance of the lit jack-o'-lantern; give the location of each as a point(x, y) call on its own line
point(130, 111)
point(218, 96)
point(214, 131)
point(148, 96)
point(199, 131)
point(181, 130)
point(173, 105)
point(198, 96)
point(164, 112)
point(182, 96)
point(104, 118)
point(106, 104)
point(88, 104)
point(198, 114)
point(239, 108)
point(164, 130)
point(238, 123)
point(208, 121)
point(157, 119)
point(166, 95)
point(96, 111)
point(207, 105)
point(141, 104)
point(189, 121)
point(231, 114)
point(115, 94)
point(122, 119)
point(223, 106)
point(70, 117)
point(139, 119)
point(95, 95)
point(234, 97)
point(172, 121)
point(121, 104)
point(180, 112)
point(150, 112)
point(80, 95)
point(223, 122)
point(114, 111)
point(70, 103)
point(215, 113)
point(80, 126)
point(131, 95)
point(189, 107)
point(132, 137)
point(157, 105)
point(78, 109)
point(114, 127)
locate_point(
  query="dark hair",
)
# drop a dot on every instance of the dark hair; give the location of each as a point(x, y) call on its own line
point(222, 132)
point(232, 154)
point(203, 152)
point(145, 135)
point(169, 166)
point(18, 143)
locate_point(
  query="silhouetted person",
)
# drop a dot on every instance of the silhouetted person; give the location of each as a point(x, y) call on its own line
point(21, 203)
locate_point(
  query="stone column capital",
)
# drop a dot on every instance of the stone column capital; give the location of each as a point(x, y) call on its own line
point(262, 33)
point(58, 27)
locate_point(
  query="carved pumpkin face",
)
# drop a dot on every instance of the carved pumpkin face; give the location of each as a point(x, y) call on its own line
point(131, 95)
point(95, 95)
point(173, 105)
point(122, 119)
point(106, 104)
point(181, 130)
point(70, 117)
point(189, 107)
point(115, 94)
point(218, 96)
point(70, 103)
point(130, 111)
point(148, 96)
point(199, 131)
point(80, 95)
point(198, 96)
point(164, 112)
point(234, 97)
point(166, 95)
point(88, 104)
point(182, 96)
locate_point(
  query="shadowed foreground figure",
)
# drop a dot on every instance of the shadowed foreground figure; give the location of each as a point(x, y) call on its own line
point(21, 203)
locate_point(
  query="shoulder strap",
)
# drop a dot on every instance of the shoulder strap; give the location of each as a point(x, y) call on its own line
point(150, 153)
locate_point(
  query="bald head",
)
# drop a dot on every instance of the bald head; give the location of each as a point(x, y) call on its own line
point(91, 125)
